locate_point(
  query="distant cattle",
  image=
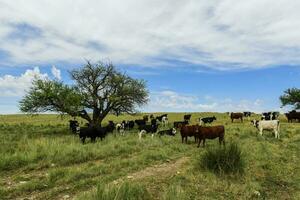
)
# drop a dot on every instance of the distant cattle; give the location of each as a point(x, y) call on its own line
point(236, 116)
point(73, 124)
point(267, 125)
point(293, 115)
point(247, 114)
point(140, 122)
point(207, 120)
point(189, 131)
point(211, 132)
point(187, 117)
point(180, 123)
point(92, 132)
point(269, 115)
point(171, 132)
point(159, 118)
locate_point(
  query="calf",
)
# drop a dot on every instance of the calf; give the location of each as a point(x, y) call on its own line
point(171, 132)
point(187, 117)
point(236, 116)
point(206, 120)
point(267, 125)
point(189, 131)
point(211, 132)
point(91, 132)
point(73, 124)
point(143, 129)
point(180, 123)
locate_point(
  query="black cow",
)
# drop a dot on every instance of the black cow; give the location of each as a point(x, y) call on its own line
point(208, 120)
point(187, 117)
point(110, 127)
point(73, 124)
point(92, 132)
point(140, 122)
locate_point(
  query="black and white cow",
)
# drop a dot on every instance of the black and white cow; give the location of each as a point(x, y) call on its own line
point(171, 132)
point(143, 129)
point(207, 120)
point(73, 124)
point(270, 115)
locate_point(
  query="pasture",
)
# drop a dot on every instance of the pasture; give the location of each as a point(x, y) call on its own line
point(41, 159)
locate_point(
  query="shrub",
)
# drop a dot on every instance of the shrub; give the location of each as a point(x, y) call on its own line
point(224, 160)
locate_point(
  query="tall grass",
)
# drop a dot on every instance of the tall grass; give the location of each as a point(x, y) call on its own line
point(224, 160)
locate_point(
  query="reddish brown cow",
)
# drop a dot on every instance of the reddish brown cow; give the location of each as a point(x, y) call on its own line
point(189, 131)
point(236, 116)
point(211, 132)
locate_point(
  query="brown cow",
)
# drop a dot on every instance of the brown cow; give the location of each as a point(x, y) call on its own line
point(189, 131)
point(211, 132)
point(236, 116)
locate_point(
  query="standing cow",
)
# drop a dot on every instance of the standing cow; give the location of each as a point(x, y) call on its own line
point(236, 116)
point(211, 132)
point(267, 125)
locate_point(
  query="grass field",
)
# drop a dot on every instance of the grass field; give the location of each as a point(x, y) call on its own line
point(41, 159)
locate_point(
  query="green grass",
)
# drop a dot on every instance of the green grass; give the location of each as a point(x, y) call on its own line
point(40, 158)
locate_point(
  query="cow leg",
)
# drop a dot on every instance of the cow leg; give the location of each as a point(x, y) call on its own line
point(83, 140)
point(204, 142)
point(186, 139)
point(241, 119)
point(199, 142)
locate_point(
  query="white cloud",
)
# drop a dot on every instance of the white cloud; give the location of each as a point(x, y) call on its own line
point(56, 72)
point(226, 34)
point(168, 100)
point(15, 86)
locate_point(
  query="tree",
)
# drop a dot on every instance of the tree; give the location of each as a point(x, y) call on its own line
point(98, 88)
point(291, 97)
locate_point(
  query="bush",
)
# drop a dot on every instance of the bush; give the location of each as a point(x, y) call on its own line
point(224, 160)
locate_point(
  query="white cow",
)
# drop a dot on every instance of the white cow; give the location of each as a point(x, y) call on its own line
point(164, 121)
point(267, 125)
point(121, 128)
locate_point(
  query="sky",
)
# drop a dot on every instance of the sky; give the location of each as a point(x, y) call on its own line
point(196, 55)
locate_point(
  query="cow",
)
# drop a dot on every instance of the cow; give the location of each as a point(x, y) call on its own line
point(180, 123)
point(73, 124)
point(145, 118)
point(236, 116)
point(269, 115)
point(121, 128)
point(110, 127)
point(91, 132)
point(189, 131)
point(247, 114)
point(151, 116)
point(211, 132)
point(143, 129)
point(293, 115)
point(128, 124)
point(207, 120)
point(140, 122)
point(187, 117)
point(159, 118)
point(164, 121)
point(267, 125)
point(171, 132)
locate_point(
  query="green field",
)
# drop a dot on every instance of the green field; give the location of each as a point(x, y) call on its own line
point(41, 159)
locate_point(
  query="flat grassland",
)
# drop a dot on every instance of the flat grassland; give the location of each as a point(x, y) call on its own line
point(41, 159)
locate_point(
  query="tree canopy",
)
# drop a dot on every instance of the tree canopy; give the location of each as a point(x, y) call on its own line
point(291, 97)
point(98, 88)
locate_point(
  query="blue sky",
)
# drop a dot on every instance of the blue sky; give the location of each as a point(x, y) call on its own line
point(195, 55)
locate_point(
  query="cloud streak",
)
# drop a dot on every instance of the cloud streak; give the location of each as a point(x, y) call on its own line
point(222, 35)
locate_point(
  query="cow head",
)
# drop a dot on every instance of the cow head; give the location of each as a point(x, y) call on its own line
point(173, 131)
point(214, 118)
point(255, 123)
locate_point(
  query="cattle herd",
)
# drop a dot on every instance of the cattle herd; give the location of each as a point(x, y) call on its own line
point(160, 125)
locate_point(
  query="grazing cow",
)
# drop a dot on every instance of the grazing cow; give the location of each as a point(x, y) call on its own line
point(140, 122)
point(180, 123)
point(206, 120)
point(267, 125)
point(171, 132)
point(270, 115)
point(73, 124)
point(187, 117)
point(121, 128)
point(145, 118)
point(143, 129)
point(211, 132)
point(189, 131)
point(164, 121)
point(236, 116)
point(293, 115)
point(159, 118)
point(91, 132)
